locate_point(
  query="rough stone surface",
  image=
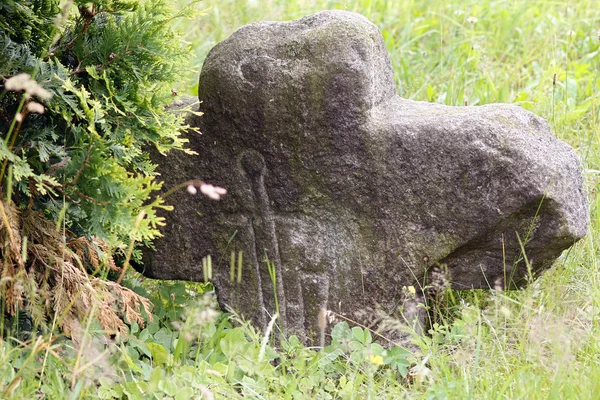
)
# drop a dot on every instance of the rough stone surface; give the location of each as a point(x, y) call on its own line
point(350, 191)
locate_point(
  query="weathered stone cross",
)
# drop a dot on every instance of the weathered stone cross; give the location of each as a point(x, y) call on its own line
point(350, 191)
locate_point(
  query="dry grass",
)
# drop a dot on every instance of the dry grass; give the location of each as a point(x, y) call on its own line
point(48, 271)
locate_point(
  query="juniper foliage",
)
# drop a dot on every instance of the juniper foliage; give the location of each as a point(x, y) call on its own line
point(83, 94)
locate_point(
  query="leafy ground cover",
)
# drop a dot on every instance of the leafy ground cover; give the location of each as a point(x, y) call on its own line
point(541, 342)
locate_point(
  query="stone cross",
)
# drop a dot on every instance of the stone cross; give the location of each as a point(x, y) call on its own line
point(349, 192)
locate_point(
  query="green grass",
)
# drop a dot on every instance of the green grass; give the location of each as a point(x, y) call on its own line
point(542, 342)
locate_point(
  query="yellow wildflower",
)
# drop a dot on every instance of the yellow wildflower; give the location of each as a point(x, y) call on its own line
point(375, 360)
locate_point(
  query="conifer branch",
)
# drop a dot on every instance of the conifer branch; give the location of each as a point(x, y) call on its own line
point(83, 166)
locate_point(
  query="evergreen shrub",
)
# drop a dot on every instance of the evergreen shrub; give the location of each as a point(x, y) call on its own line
point(83, 94)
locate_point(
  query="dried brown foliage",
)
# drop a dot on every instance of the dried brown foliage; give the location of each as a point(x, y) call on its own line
point(48, 273)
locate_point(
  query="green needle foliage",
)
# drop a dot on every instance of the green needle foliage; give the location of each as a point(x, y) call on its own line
point(83, 95)
point(110, 75)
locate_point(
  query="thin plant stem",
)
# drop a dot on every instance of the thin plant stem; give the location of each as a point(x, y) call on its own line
point(138, 221)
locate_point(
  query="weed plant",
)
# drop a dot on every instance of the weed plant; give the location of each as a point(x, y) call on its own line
point(541, 342)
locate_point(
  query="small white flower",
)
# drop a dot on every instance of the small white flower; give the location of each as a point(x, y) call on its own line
point(24, 82)
point(212, 192)
point(458, 13)
point(472, 20)
point(17, 82)
point(19, 117)
point(571, 33)
point(192, 189)
point(420, 371)
point(35, 107)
